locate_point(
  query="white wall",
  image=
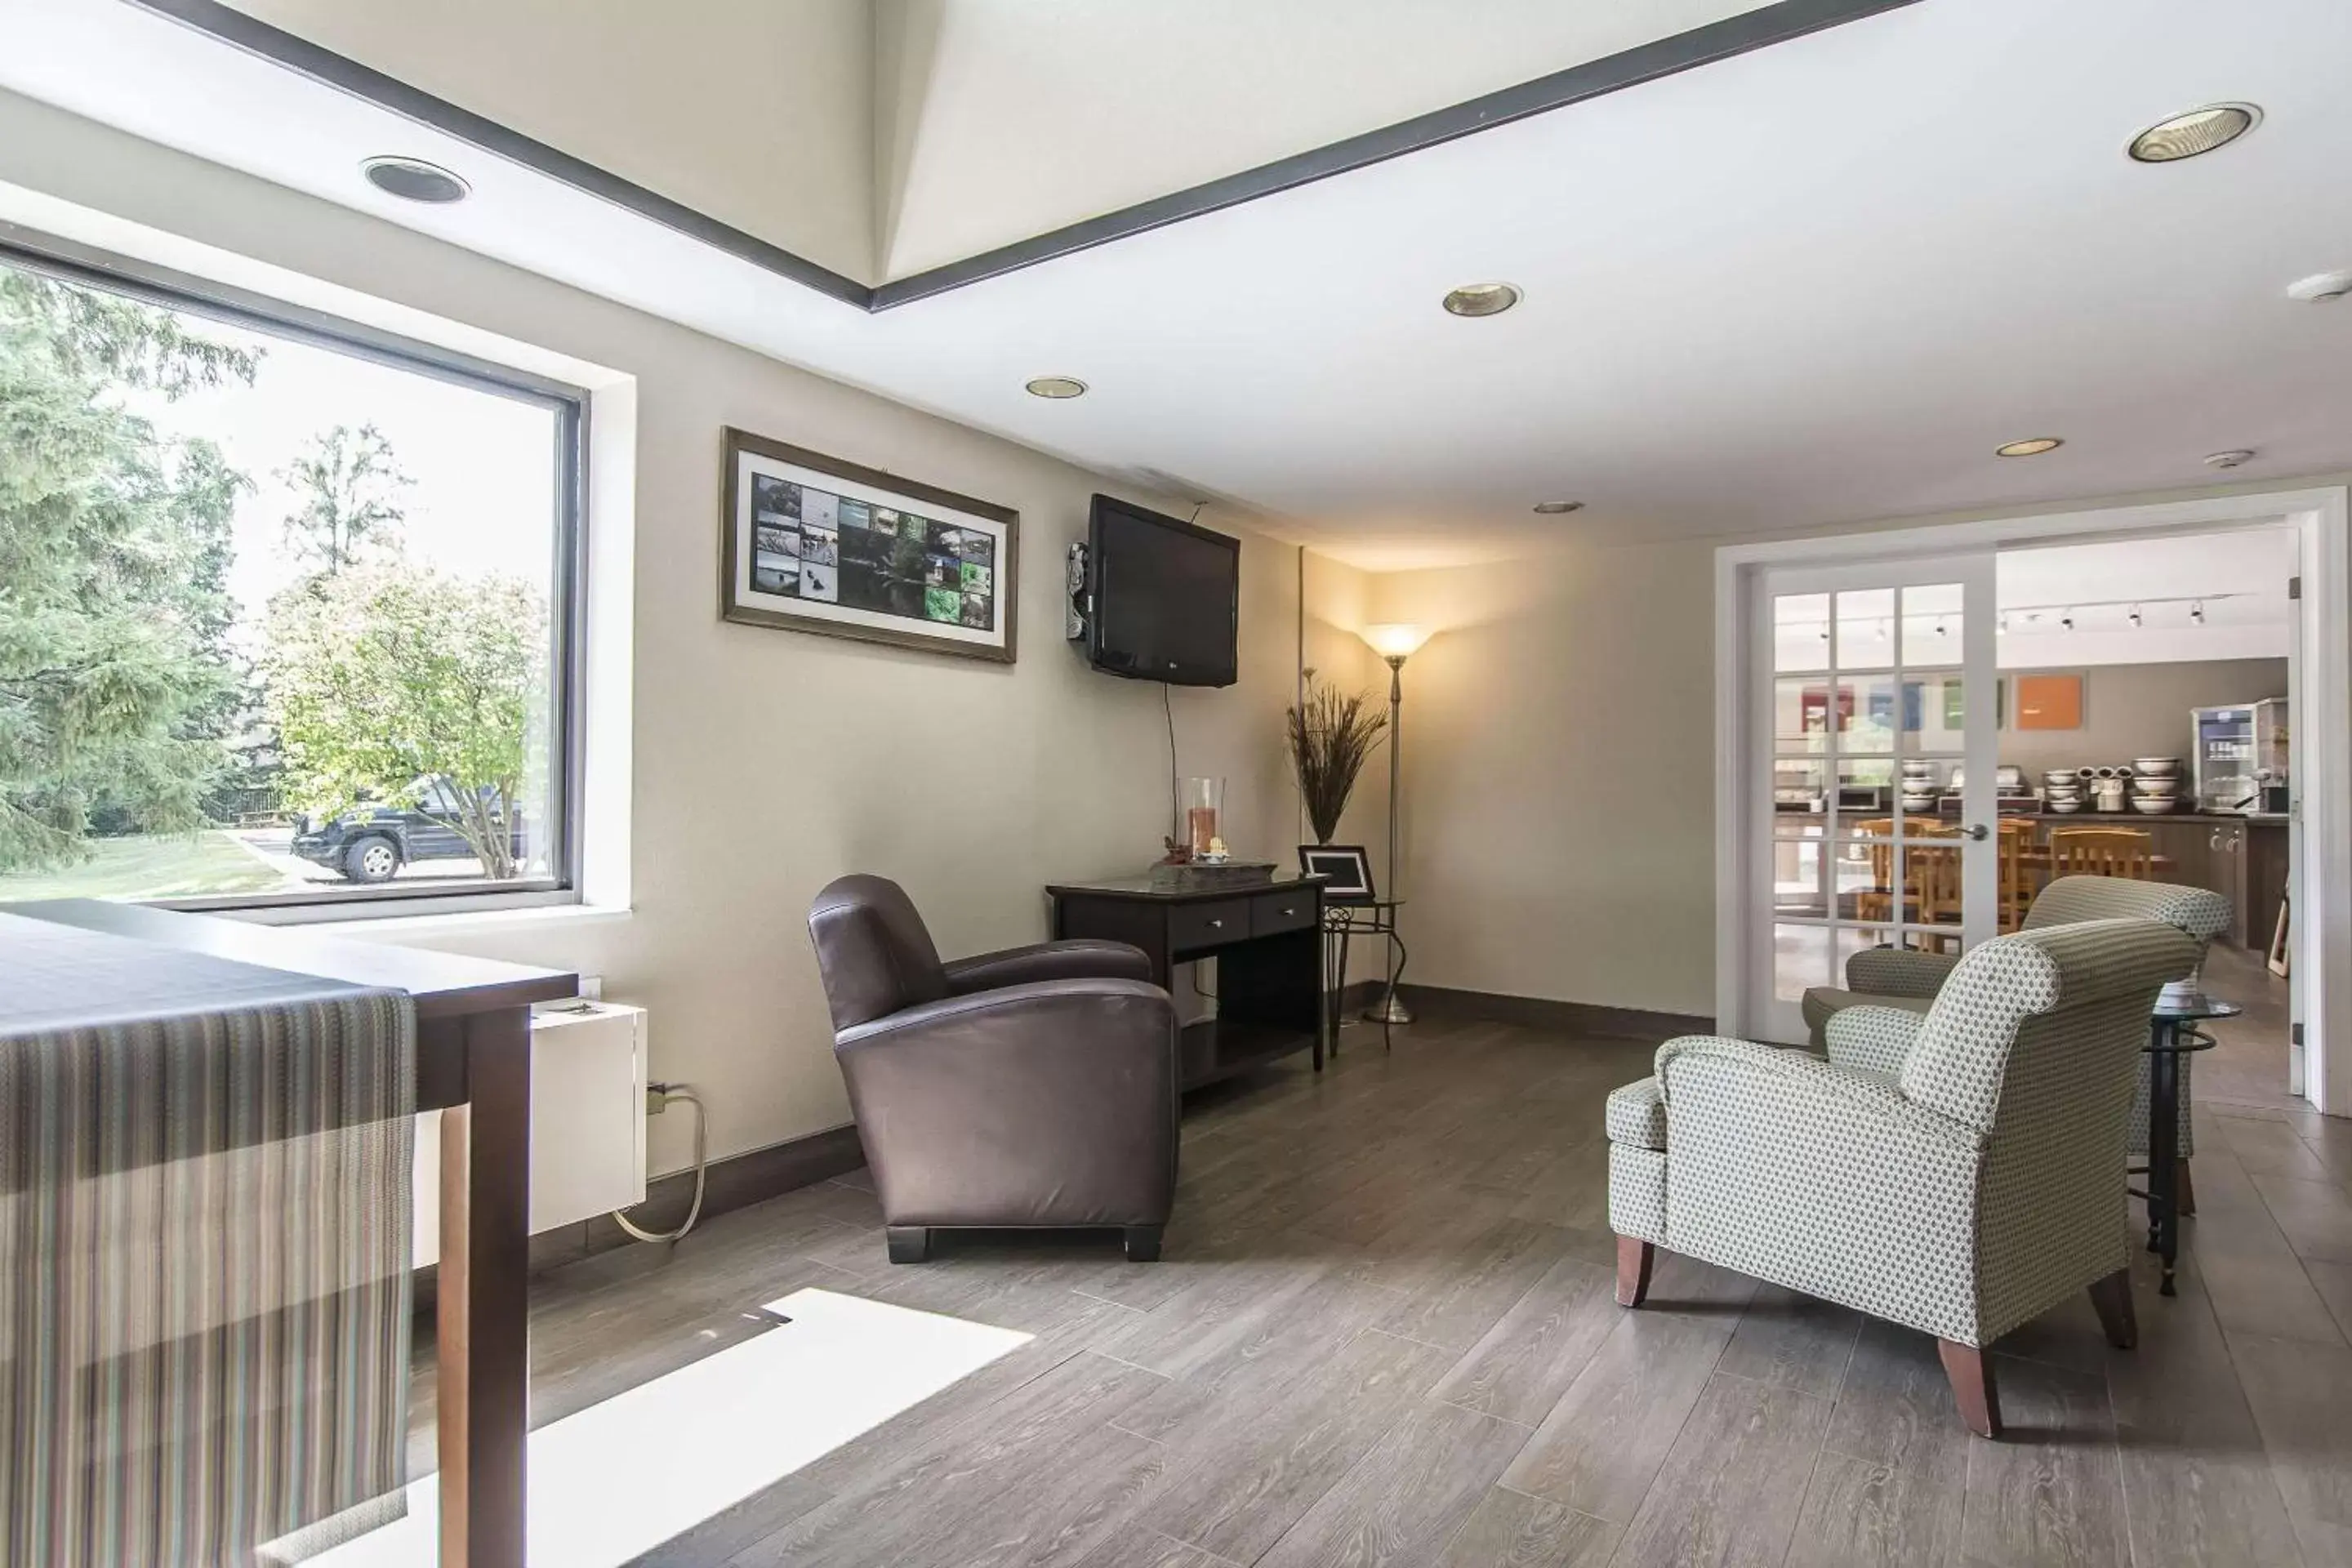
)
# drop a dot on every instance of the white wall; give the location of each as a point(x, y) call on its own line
point(767, 763)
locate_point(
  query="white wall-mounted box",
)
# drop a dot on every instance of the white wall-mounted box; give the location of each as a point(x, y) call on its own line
point(587, 1120)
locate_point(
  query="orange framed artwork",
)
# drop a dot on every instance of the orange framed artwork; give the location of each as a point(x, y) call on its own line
point(2049, 702)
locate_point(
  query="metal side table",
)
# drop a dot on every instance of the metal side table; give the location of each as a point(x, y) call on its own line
point(1375, 917)
point(2172, 1034)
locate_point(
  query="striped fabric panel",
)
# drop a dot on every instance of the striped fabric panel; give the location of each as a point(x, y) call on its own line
point(204, 1280)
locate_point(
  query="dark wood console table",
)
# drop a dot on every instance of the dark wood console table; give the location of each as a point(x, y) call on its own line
point(1267, 938)
point(473, 1065)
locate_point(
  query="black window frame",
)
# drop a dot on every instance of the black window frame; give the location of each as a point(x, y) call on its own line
point(69, 262)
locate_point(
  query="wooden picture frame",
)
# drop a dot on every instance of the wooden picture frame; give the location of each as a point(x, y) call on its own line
point(813, 543)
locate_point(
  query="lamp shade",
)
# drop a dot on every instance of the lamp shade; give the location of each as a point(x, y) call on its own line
point(1396, 639)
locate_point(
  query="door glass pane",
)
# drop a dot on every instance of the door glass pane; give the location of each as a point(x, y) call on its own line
point(1801, 957)
point(1931, 625)
point(1865, 628)
point(1796, 784)
point(1797, 879)
point(1921, 783)
point(1935, 716)
point(1802, 710)
point(1864, 872)
point(1851, 940)
point(1868, 705)
point(1932, 877)
point(1801, 632)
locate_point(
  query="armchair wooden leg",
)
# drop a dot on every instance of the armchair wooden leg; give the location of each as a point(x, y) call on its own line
point(1142, 1243)
point(2112, 1298)
point(2184, 1191)
point(1970, 1371)
point(907, 1243)
point(1633, 1262)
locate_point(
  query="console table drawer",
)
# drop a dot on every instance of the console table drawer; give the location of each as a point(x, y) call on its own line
point(1272, 913)
point(1208, 925)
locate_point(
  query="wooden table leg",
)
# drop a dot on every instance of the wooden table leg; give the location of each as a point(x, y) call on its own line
point(482, 1302)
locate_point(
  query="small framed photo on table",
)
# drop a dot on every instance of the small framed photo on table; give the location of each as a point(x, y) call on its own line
point(1346, 867)
point(814, 544)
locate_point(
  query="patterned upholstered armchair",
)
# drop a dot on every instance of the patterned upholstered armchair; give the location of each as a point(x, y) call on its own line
point(1967, 1191)
point(1908, 979)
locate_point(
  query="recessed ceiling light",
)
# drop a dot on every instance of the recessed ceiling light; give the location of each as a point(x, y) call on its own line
point(2031, 447)
point(2321, 286)
point(1481, 298)
point(2199, 130)
point(1554, 508)
point(415, 180)
point(2231, 458)
point(1058, 387)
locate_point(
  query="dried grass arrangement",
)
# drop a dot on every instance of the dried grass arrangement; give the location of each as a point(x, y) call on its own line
point(1331, 733)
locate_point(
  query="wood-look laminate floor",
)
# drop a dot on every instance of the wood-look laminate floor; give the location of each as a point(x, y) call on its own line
point(1383, 1333)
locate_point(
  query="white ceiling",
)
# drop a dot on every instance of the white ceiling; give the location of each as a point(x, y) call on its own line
point(998, 120)
point(884, 137)
point(1812, 284)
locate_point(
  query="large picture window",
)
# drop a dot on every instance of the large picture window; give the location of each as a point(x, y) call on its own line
point(286, 608)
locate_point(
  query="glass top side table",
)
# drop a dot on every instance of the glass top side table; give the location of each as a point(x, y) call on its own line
point(2172, 1035)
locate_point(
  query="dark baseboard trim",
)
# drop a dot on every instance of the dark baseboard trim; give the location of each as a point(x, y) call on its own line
point(735, 1182)
point(1760, 28)
point(1544, 1013)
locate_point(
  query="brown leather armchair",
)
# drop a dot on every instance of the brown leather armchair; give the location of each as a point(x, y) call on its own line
point(1034, 1087)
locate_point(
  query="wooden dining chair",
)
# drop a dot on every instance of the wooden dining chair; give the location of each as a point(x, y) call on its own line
point(2124, 852)
point(1876, 902)
point(2015, 874)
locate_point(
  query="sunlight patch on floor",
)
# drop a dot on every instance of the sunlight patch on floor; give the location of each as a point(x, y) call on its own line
point(618, 1479)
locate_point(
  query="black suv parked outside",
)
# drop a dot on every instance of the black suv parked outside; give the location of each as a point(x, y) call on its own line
point(372, 843)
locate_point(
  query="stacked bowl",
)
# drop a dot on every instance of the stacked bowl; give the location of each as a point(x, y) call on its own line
point(1918, 791)
point(2155, 785)
point(2062, 791)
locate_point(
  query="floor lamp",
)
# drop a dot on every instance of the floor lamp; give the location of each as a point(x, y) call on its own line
point(1394, 642)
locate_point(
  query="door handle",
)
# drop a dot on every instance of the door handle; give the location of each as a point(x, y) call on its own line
point(1978, 831)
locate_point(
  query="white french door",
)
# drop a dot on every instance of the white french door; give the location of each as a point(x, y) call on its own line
point(1869, 772)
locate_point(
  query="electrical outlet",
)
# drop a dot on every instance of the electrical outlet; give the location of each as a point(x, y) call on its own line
point(591, 986)
point(655, 1103)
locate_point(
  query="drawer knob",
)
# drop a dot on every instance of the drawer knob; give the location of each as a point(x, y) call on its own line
point(1216, 925)
point(1290, 908)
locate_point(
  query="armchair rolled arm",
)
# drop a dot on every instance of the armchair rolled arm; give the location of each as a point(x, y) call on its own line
point(1035, 1010)
point(1803, 1078)
point(1082, 959)
point(1875, 1039)
point(1898, 972)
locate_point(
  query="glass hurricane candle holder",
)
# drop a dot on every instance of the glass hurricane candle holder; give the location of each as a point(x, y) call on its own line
point(1204, 801)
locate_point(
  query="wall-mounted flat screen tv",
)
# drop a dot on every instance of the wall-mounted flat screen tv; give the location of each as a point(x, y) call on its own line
point(1164, 596)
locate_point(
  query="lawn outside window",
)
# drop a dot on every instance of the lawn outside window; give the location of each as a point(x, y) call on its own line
point(289, 609)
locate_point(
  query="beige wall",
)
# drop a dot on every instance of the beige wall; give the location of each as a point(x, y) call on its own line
point(767, 763)
point(2138, 710)
point(1559, 776)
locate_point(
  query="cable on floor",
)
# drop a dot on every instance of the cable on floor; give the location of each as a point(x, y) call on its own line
point(669, 1093)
